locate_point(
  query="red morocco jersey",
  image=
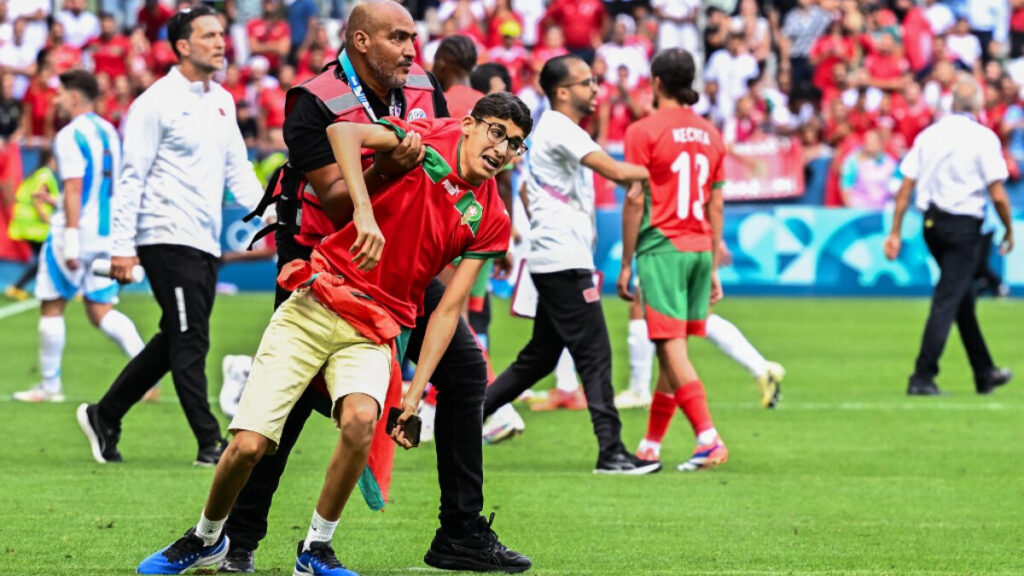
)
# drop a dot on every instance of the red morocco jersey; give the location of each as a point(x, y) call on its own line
point(686, 157)
point(429, 217)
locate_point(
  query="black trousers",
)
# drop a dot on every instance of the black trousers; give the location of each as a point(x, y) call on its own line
point(566, 319)
point(184, 282)
point(460, 379)
point(955, 242)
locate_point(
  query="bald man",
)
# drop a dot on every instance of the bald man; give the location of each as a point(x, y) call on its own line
point(956, 165)
point(377, 63)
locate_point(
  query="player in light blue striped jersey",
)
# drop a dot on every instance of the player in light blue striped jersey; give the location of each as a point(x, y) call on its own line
point(88, 152)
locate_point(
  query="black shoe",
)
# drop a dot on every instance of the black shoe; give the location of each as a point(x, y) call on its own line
point(625, 464)
point(210, 455)
point(478, 552)
point(238, 560)
point(923, 388)
point(995, 378)
point(102, 438)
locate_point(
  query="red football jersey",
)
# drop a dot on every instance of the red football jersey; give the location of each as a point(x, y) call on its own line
point(461, 100)
point(686, 157)
point(429, 217)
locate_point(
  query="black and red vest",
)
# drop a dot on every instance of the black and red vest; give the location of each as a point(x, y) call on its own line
point(339, 99)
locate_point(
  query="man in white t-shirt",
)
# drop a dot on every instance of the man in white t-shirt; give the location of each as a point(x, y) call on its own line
point(19, 58)
point(80, 25)
point(731, 68)
point(560, 203)
point(678, 24)
point(34, 12)
point(954, 164)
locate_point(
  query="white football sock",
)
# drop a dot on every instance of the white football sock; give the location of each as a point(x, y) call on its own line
point(646, 444)
point(120, 329)
point(209, 530)
point(730, 340)
point(51, 348)
point(707, 437)
point(641, 355)
point(565, 373)
point(320, 530)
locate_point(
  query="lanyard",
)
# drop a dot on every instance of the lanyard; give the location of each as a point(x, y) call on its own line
point(357, 89)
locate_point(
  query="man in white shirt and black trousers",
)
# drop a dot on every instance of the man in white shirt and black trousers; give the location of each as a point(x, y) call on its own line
point(182, 148)
point(952, 164)
point(560, 203)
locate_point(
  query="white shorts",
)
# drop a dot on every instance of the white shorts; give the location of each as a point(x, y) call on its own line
point(54, 280)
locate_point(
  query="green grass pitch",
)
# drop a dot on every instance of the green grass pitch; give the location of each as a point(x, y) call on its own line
point(848, 476)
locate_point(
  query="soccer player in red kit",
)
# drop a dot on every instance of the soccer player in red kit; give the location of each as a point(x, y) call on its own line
point(355, 302)
point(675, 228)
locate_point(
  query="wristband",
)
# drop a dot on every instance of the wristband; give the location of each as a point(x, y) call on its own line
point(72, 250)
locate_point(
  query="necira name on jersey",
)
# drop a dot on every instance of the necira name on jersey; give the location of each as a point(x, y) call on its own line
point(690, 134)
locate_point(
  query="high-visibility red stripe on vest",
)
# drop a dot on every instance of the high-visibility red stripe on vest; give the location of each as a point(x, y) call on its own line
point(339, 99)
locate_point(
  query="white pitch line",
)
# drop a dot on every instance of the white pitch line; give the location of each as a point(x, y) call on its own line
point(923, 404)
point(17, 308)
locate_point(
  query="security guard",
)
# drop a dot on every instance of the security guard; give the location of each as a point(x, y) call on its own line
point(952, 164)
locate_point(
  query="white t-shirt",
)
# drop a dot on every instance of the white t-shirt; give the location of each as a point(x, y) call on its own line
point(953, 162)
point(18, 57)
point(632, 57)
point(940, 18)
point(731, 73)
point(560, 191)
point(79, 29)
point(966, 48)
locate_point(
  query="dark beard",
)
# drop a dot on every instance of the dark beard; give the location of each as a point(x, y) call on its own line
point(384, 72)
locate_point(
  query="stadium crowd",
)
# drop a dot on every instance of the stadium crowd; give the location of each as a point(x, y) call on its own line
point(854, 81)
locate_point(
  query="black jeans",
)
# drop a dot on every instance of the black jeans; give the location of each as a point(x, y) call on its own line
point(955, 242)
point(184, 282)
point(460, 379)
point(569, 315)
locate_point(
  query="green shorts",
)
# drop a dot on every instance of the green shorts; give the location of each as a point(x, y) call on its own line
point(676, 288)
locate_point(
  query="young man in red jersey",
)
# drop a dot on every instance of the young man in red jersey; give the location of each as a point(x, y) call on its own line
point(354, 303)
point(675, 227)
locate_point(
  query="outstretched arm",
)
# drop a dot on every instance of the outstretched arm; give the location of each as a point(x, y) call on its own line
point(347, 140)
point(440, 329)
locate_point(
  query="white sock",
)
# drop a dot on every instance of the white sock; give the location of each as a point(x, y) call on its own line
point(646, 444)
point(730, 340)
point(565, 373)
point(641, 355)
point(120, 329)
point(209, 530)
point(320, 530)
point(707, 437)
point(51, 348)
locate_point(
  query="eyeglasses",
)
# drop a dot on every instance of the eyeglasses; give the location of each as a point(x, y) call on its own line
point(592, 81)
point(496, 134)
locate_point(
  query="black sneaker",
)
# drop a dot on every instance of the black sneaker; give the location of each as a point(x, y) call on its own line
point(923, 388)
point(318, 560)
point(625, 464)
point(477, 552)
point(238, 560)
point(102, 438)
point(210, 455)
point(995, 378)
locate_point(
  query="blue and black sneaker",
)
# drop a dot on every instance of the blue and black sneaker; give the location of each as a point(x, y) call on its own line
point(318, 560)
point(186, 552)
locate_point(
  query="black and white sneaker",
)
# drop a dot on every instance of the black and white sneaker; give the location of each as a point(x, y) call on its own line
point(625, 464)
point(477, 552)
point(238, 560)
point(102, 438)
point(210, 455)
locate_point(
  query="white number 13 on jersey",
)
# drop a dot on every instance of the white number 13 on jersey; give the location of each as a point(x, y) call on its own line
point(682, 167)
